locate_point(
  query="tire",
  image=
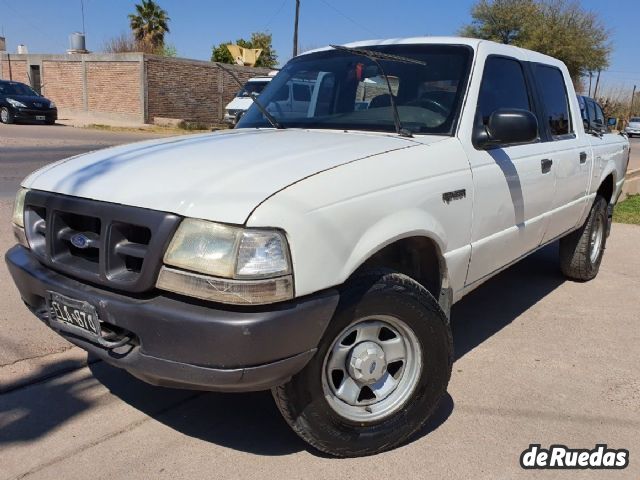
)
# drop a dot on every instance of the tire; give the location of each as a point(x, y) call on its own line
point(309, 402)
point(581, 251)
point(5, 115)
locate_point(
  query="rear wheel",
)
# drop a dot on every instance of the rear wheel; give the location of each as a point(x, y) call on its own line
point(5, 115)
point(380, 371)
point(581, 251)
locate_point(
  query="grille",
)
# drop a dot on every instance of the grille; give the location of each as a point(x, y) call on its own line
point(108, 244)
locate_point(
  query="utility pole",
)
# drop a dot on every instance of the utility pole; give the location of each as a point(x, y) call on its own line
point(295, 30)
point(633, 96)
point(590, 75)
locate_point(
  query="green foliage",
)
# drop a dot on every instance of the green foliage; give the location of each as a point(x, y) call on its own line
point(628, 211)
point(149, 24)
point(503, 21)
point(167, 50)
point(559, 28)
point(263, 40)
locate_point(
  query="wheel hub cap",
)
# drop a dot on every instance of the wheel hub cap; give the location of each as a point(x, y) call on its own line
point(372, 368)
point(367, 363)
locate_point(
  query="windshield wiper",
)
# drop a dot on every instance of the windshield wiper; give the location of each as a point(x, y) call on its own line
point(375, 57)
point(270, 118)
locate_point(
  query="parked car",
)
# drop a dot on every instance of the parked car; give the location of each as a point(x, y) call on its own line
point(317, 249)
point(634, 127)
point(242, 101)
point(20, 103)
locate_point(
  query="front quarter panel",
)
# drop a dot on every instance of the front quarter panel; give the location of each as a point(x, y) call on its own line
point(337, 219)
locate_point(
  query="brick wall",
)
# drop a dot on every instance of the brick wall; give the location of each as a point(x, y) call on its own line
point(18, 70)
point(63, 83)
point(190, 89)
point(114, 87)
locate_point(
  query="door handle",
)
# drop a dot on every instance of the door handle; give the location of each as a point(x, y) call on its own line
point(583, 157)
point(546, 165)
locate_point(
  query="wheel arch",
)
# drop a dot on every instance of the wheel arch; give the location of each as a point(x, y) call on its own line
point(415, 254)
point(607, 185)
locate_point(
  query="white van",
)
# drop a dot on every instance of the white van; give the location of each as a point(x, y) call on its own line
point(242, 101)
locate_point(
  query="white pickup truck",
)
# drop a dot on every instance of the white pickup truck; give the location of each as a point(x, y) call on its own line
point(316, 249)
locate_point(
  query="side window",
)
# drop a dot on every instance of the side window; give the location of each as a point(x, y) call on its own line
point(503, 86)
point(301, 93)
point(554, 98)
point(599, 115)
point(591, 108)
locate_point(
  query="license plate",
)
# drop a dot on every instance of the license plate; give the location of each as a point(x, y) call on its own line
point(74, 316)
point(40, 117)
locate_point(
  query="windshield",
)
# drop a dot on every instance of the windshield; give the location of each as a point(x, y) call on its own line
point(339, 90)
point(634, 120)
point(16, 89)
point(251, 88)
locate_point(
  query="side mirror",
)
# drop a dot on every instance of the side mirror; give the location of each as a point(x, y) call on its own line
point(612, 121)
point(507, 127)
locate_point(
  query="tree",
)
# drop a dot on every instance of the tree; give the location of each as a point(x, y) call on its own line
point(268, 58)
point(503, 21)
point(559, 28)
point(126, 43)
point(150, 24)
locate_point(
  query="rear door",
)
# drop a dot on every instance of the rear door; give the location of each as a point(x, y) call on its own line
point(566, 146)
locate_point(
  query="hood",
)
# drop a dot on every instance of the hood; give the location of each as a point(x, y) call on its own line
point(634, 124)
point(218, 176)
point(239, 103)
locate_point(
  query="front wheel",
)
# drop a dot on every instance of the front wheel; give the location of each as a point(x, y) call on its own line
point(5, 115)
point(381, 369)
point(581, 251)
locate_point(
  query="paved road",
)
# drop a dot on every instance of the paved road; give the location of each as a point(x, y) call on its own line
point(538, 360)
point(24, 148)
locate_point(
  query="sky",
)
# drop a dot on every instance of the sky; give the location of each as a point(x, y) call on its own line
point(44, 25)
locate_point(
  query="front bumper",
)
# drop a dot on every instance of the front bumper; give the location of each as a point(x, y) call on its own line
point(30, 114)
point(188, 344)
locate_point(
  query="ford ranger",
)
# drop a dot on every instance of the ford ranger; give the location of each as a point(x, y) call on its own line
point(316, 249)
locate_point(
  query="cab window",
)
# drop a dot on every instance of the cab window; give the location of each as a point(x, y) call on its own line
point(503, 86)
point(555, 101)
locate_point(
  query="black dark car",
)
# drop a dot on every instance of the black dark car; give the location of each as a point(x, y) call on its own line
point(19, 102)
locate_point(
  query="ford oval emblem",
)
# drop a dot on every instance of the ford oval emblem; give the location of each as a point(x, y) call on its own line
point(80, 240)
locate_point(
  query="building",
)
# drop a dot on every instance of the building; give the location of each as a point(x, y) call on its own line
point(131, 87)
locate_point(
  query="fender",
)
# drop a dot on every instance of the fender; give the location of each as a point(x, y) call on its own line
point(405, 224)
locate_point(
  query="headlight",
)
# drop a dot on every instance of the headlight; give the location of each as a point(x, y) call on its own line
point(18, 208)
point(16, 103)
point(17, 219)
point(229, 264)
point(52, 104)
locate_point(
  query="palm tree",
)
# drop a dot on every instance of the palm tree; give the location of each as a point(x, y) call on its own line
point(149, 24)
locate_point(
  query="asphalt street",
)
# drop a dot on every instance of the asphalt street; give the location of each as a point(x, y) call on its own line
point(538, 360)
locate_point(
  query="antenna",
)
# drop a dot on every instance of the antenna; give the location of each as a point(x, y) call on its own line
point(82, 10)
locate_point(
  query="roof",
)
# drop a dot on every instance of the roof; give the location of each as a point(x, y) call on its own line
point(472, 42)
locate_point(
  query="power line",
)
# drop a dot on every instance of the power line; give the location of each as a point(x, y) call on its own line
point(273, 17)
point(348, 18)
